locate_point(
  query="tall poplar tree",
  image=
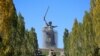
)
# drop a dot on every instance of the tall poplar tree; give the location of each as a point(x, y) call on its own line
point(84, 39)
point(96, 22)
point(96, 26)
point(33, 39)
point(88, 34)
point(19, 40)
point(32, 42)
point(74, 39)
point(66, 40)
point(8, 26)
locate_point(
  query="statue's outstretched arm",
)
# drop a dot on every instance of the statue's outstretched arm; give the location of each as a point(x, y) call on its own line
point(54, 26)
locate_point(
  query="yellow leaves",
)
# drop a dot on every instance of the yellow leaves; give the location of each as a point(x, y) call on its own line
point(7, 49)
point(19, 45)
point(88, 36)
point(96, 22)
point(96, 9)
point(7, 19)
point(97, 2)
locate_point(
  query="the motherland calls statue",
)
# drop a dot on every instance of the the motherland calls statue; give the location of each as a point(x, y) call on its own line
point(49, 34)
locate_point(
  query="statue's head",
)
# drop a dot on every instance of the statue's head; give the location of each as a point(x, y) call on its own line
point(50, 23)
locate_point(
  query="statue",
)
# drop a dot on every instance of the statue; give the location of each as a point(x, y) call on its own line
point(49, 33)
point(50, 23)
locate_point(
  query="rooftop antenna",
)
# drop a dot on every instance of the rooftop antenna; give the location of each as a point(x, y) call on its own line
point(46, 15)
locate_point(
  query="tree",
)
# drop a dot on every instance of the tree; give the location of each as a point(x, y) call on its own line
point(96, 21)
point(74, 40)
point(65, 39)
point(92, 3)
point(96, 24)
point(19, 40)
point(31, 42)
point(84, 39)
point(88, 34)
point(77, 38)
point(33, 39)
point(8, 26)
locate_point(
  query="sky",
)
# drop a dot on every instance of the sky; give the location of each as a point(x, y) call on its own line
point(61, 12)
